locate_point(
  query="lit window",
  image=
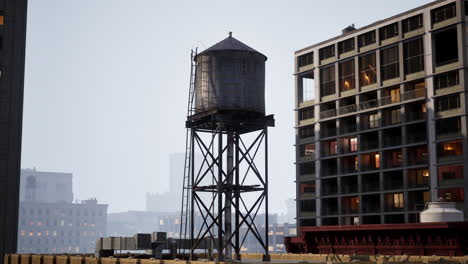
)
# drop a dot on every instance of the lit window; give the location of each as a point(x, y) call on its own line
point(354, 144)
point(377, 160)
point(398, 200)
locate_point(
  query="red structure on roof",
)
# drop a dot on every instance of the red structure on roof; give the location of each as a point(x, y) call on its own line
point(422, 239)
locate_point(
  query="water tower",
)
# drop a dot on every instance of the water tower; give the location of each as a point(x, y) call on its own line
point(227, 125)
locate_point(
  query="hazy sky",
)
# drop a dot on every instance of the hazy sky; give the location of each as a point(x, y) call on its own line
point(106, 83)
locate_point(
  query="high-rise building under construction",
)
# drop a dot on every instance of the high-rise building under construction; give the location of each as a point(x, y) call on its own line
point(381, 119)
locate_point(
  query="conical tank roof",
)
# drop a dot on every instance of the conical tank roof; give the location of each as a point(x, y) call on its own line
point(230, 44)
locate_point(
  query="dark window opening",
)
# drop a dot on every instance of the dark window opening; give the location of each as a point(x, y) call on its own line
point(448, 102)
point(328, 168)
point(306, 59)
point(371, 182)
point(449, 127)
point(345, 46)
point(308, 222)
point(306, 132)
point(308, 206)
point(347, 75)
point(330, 207)
point(371, 203)
point(450, 175)
point(390, 63)
point(367, 70)
point(394, 219)
point(412, 23)
point(446, 47)
point(366, 39)
point(327, 52)
point(389, 31)
point(445, 80)
point(327, 81)
point(306, 113)
point(307, 168)
point(414, 56)
point(443, 13)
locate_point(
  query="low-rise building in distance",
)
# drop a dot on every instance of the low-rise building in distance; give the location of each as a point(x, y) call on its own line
point(49, 222)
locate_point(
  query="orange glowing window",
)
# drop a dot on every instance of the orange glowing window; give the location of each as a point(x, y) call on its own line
point(2, 19)
point(377, 160)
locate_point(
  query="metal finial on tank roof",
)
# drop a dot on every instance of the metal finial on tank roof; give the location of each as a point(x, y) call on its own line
point(230, 34)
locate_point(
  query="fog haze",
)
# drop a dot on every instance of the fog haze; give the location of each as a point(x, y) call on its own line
point(107, 80)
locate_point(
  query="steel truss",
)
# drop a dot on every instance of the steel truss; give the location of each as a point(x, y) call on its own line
point(226, 181)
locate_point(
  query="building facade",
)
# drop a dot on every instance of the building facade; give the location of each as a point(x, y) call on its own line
point(49, 221)
point(46, 187)
point(381, 119)
point(12, 57)
point(46, 228)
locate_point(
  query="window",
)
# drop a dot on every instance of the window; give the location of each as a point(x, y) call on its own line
point(448, 102)
point(452, 195)
point(389, 31)
point(327, 52)
point(450, 174)
point(412, 23)
point(306, 132)
point(445, 80)
point(308, 206)
point(446, 46)
point(443, 13)
point(353, 144)
point(307, 168)
point(414, 56)
point(367, 70)
point(366, 39)
point(306, 86)
point(308, 150)
point(306, 59)
point(373, 121)
point(418, 177)
point(448, 127)
point(2, 18)
point(390, 65)
point(346, 46)
point(398, 201)
point(395, 116)
point(327, 80)
point(347, 75)
point(306, 113)
point(450, 149)
point(395, 95)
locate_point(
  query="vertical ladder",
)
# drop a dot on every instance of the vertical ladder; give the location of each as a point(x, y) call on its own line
point(186, 184)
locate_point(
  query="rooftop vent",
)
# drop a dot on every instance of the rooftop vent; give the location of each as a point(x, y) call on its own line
point(348, 29)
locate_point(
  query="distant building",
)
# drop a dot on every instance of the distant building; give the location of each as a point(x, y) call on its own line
point(132, 222)
point(46, 187)
point(48, 220)
point(276, 234)
point(290, 215)
point(60, 227)
point(170, 201)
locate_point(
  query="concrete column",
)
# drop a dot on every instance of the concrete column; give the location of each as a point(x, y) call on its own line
point(429, 60)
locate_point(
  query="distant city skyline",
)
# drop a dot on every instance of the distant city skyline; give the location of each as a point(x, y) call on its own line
point(106, 84)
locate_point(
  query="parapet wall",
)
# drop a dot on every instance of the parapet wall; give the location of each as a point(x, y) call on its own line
point(275, 258)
